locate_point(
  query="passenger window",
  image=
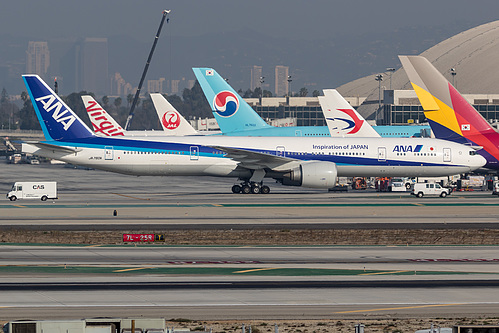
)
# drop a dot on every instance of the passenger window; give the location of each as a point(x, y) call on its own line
point(431, 185)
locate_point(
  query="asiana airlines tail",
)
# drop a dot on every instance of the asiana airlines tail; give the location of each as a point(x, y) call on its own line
point(295, 161)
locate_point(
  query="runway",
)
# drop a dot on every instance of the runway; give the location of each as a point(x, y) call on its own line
point(240, 282)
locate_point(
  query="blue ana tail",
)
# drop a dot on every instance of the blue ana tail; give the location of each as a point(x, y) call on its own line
point(232, 112)
point(57, 120)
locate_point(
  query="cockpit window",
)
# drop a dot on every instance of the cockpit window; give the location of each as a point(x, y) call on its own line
point(472, 152)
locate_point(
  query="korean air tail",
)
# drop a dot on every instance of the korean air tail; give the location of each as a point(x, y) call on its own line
point(231, 111)
point(57, 120)
point(342, 119)
point(102, 121)
point(172, 121)
point(450, 115)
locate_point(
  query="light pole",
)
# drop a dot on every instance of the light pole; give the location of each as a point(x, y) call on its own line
point(453, 73)
point(262, 80)
point(378, 78)
point(390, 71)
point(289, 85)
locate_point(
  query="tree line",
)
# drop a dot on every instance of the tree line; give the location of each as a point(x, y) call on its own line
point(191, 104)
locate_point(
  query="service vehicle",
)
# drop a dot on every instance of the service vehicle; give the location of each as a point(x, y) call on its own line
point(398, 185)
point(33, 190)
point(495, 188)
point(422, 189)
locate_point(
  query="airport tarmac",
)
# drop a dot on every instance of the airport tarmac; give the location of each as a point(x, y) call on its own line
point(237, 282)
point(89, 198)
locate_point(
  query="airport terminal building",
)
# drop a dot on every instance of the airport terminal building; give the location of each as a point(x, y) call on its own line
point(398, 107)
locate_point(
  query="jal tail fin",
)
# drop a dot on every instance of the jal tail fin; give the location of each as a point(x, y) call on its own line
point(342, 119)
point(172, 121)
point(231, 111)
point(102, 122)
point(57, 120)
point(450, 115)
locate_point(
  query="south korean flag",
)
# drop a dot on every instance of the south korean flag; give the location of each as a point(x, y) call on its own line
point(465, 127)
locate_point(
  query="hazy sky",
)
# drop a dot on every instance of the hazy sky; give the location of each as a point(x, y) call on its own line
point(45, 19)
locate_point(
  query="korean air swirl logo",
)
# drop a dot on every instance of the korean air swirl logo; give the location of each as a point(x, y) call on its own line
point(225, 104)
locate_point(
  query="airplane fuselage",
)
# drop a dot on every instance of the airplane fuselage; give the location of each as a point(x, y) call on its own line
point(199, 156)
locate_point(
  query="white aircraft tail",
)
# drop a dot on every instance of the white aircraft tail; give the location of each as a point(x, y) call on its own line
point(342, 119)
point(102, 122)
point(172, 121)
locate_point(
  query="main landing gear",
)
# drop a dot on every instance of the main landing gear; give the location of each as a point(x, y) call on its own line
point(251, 187)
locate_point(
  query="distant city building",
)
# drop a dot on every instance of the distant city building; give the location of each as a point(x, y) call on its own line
point(119, 87)
point(256, 74)
point(281, 80)
point(37, 58)
point(94, 66)
point(155, 86)
point(190, 83)
point(174, 86)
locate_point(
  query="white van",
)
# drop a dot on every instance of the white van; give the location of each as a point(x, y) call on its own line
point(33, 190)
point(422, 189)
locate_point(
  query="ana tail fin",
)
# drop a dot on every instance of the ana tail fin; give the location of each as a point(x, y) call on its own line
point(57, 120)
point(231, 111)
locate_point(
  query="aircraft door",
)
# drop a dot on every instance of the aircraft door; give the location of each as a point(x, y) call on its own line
point(194, 153)
point(280, 151)
point(382, 154)
point(108, 153)
point(447, 155)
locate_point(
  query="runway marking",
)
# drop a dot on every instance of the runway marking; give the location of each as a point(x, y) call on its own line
point(256, 270)
point(132, 269)
point(402, 308)
point(20, 206)
point(129, 196)
point(419, 204)
point(379, 273)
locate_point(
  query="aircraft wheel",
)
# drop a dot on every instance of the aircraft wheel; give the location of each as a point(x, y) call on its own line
point(13, 198)
point(236, 189)
point(265, 189)
point(44, 198)
point(246, 189)
point(419, 195)
point(255, 189)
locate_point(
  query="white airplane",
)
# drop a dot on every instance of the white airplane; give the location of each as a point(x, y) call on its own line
point(171, 120)
point(295, 161)
point(342, 119)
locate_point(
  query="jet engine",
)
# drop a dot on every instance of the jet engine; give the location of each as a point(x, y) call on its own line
point(312, 174)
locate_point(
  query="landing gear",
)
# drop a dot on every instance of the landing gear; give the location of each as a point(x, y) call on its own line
point(251, 187)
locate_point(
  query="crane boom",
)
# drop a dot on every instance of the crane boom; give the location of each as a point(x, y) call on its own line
point(135, 99)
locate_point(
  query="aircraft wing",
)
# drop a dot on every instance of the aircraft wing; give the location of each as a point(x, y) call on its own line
point(254, 160)
point(44, 145)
